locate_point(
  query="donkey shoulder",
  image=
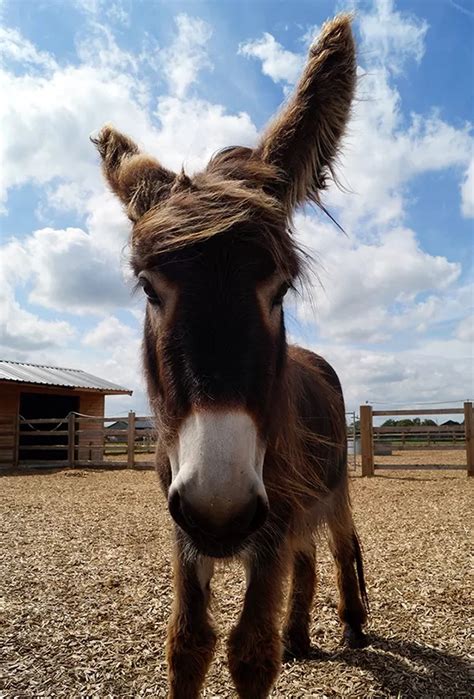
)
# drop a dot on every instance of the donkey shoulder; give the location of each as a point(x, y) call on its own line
point(313, 371)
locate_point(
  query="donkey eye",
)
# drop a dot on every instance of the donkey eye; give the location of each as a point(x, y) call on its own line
point(149, 292)
point(280, 295)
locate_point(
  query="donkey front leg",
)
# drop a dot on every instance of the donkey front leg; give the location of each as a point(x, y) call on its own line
point(255, 647)
point(350, 578)
point(191, 638)
point(296, 630)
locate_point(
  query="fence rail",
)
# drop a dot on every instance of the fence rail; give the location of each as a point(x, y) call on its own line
point(78, 440)
point(85, 440)
point(443, 436)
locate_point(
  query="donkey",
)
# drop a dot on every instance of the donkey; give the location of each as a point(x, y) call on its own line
point(252, 440)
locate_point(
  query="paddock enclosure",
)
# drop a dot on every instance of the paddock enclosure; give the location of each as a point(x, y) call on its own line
point(86, 590)
point(39, 411)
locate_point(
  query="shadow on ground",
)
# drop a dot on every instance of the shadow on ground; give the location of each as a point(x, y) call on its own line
point(407, 669)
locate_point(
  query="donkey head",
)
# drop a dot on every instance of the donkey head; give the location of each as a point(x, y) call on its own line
point(215, 256)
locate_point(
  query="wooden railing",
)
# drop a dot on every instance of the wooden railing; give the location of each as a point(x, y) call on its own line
point(83, 440)
point(416, 437)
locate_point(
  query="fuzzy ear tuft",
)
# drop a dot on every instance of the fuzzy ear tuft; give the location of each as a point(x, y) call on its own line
point(137, 179)
point(303, 139)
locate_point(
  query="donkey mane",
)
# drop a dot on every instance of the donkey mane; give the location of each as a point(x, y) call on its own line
point(234, 193)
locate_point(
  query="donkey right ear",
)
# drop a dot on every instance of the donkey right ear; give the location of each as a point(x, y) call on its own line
point(303, 140)
point(137, 179)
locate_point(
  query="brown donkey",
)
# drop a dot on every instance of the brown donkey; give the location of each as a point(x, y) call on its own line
point(252, 447)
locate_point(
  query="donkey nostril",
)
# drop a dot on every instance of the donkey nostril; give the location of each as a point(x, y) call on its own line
point(260, 514)
point(174, 506)
point(180, 511)
point(252, 517)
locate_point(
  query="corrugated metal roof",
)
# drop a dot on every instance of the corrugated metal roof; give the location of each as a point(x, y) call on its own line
point(22, 372)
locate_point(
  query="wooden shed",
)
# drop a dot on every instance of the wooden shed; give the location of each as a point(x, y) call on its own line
point(33, 392)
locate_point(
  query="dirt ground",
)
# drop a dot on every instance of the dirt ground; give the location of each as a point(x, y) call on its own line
point(86, 590)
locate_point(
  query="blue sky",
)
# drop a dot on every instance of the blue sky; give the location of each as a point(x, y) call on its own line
point(393, 311)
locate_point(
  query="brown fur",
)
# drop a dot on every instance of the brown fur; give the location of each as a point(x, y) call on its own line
point(249, 195)
point(191, 637)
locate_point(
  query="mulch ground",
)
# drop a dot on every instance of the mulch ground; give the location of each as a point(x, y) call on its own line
point(86, 591)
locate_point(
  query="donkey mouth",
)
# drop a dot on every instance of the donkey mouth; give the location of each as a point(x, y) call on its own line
point(217, 548)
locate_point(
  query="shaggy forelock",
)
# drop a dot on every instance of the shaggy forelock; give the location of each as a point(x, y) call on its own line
point(234, 192)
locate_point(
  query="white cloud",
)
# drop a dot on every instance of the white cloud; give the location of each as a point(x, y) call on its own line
point(43, 138)
point(193, 129)
point(109, 333)
point(467, 192)
point(68, 272)
point(409, 377)
point(15, 48)
point(98, 47)
point(114, 11)
point(390, 37)
point(382, 154)
point(465, 330)
point(279, 64)
point(21, 331)
point(187, 54)
point(372, 292)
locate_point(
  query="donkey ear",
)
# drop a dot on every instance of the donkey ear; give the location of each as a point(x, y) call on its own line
point(302, 141)
point(137, 179)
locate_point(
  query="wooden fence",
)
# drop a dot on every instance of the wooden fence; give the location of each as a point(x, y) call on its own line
point(409, 437)
point(8, 440)
point(81, 440)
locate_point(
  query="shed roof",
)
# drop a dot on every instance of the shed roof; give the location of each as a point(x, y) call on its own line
point(21, 372)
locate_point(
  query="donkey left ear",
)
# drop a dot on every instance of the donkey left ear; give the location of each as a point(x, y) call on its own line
point(303, 140)
point(137, 179)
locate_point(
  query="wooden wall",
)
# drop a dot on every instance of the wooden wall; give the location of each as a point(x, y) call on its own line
point(91, 438)
point(89, 441)
point(9, 402)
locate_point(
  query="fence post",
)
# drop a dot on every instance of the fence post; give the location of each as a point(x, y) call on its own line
point(366, 440)
point(131, 439)
point(469, 432)
point(16, 453)
point(71, 438)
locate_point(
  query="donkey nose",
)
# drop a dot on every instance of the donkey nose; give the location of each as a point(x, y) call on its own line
point(240, 525)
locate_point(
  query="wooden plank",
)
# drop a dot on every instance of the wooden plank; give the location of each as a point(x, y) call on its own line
point(90, 433)
point(44, 421)
point(17, 441)
point(131, 439)
point(144, 466)
point(431, 411)
point(71, 439)
point(50, 463)
point(43, 433)
point(366, 440)
point(469, 428)
point(107, 433)
point(96, 418)
point(422, 429)
point(56, 447)
point(426, 447)
point(101, 464)
point(416, 467)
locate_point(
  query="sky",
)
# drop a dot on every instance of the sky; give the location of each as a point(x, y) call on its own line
point(390, 304)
